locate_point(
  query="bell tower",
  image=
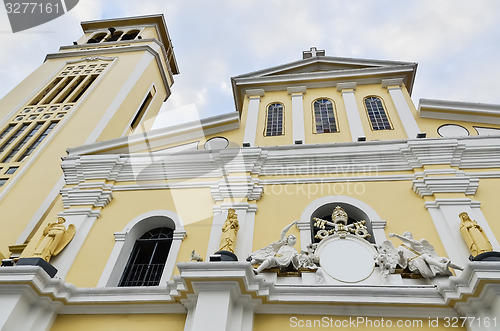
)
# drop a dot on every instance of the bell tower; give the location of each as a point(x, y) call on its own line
point(110, 83)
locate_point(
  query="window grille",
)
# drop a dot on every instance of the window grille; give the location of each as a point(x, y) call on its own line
point(274, 124)
point(377, 114)
point(147, 260)
point(324, 116)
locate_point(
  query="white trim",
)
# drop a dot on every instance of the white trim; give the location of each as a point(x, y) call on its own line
point(348, 203)
point(460, 111)
point(127, 86)
point(298, 130)
point(163, 136)
point(351, 109)
point(125, 240)
point(252, 116)
point(445, 215)
point(405, 115)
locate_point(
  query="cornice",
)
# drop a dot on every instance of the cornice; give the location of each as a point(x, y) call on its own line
point(351, 162)
point(461, 111)
point(161, 137)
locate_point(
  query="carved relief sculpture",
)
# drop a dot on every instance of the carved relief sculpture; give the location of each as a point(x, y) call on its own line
point(419, 256)
point(474, 236)
point(229, 232)
point(280, 253)
point(54, 238)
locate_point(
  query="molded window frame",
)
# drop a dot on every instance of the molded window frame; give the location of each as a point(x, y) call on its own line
point(334, 112)
point(384, 108)
point(125, 241)
point(282, 120)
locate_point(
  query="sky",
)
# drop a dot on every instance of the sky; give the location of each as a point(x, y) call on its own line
point(456, 43)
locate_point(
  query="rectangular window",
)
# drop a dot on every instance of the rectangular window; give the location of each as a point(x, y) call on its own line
point(37, 142)
point(14, 136)
point(142, 110)
point(18, 147)
point(11, 170)
point(49, 88)
point(84, 88)
point(3, 181)
point(7, 130)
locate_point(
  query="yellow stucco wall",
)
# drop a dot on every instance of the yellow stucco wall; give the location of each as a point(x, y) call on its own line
point(282, 204)
point(264, 322)
point(123, 322)
point(73, 131)
point(193, 206)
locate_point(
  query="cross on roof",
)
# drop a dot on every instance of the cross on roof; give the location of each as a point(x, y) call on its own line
point(313, 52)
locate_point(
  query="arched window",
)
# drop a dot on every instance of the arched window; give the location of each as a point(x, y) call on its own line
point(145, 251)
point(115, 36)
point(377, 114)
point(324, 116)
point(96, 38)
point(147, 260)
point(274, 120)
point(130, 35)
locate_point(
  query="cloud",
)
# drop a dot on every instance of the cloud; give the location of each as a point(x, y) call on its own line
point(456, 43)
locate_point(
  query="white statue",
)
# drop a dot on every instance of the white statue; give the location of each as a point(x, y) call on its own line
point(419, 256)
point(308, 259)
point(387, 257)
point(280, 253)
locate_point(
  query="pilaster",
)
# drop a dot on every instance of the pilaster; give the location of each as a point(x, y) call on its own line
point(252, 116)
point(351, 108)
point(298, 130)
point(409, 123)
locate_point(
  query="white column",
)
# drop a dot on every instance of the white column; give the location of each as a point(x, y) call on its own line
point(445, 215)
point(252, 116)
point(246, 220)
point(22, 311)
point(404, 111)
point(351, 108)
point(212, 310)
point(298, 130)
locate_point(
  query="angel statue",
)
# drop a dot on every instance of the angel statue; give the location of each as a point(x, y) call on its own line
point(387, 258)
point(277, 254)
point(55, 237)
point(420, 257)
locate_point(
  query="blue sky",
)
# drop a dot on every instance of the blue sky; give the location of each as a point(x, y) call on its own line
point(456, 43)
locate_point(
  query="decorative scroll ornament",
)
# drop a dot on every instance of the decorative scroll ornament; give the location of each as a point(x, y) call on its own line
point(474, 236)
point(339, 226)
point(55, 237)
point(229, 232)
point(418, 256)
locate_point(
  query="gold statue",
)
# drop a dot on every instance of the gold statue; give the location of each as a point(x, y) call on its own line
point(229, 232)
point(55, 237)
point(474, 236)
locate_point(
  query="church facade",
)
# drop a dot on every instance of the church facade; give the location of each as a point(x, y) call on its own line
point(327, 199)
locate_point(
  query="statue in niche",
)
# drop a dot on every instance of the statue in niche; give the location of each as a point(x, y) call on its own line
point(54, 238)
point(229, 232)
point(474, 236)
point(418, 256)
point(280, 253)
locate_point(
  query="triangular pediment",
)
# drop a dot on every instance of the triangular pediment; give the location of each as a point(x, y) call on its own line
point(324, 64)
